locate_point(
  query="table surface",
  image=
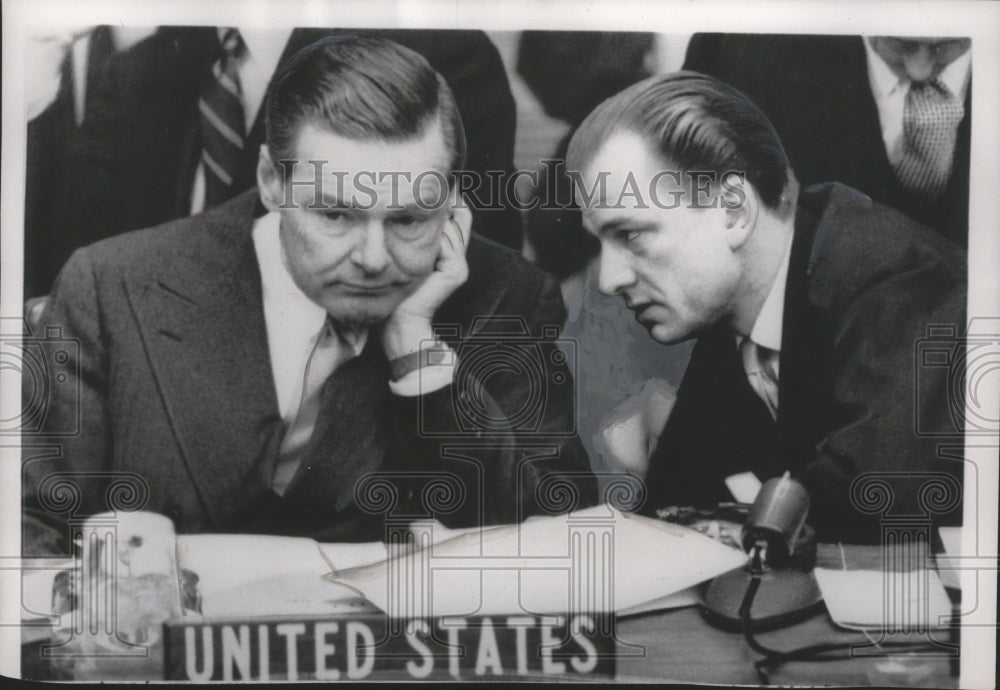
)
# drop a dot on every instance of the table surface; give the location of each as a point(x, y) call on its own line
point(678, 645)
point(672, 646)
point(682, 646)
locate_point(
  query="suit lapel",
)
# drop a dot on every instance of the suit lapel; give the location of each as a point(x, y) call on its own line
point(202, 324)
point(863, 138)
point(805, 360)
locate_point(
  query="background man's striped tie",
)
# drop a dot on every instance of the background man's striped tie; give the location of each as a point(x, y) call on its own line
point(223, 132)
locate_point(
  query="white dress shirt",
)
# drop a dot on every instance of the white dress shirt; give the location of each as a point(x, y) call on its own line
point(256, 67)
point(889, 92)
point(761, 351)
point(293, 321)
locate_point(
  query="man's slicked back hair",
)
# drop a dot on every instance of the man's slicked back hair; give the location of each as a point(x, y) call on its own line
point(362, 88)
point(696, 123)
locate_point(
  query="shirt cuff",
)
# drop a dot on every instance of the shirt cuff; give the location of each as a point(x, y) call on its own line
point(424, 380)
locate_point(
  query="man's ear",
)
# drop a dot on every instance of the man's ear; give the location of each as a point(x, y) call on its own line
point(459, 211)
point(270, 181)
point(741, 206)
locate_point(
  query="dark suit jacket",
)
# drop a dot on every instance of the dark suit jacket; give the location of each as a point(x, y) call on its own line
point(170, 392)
point(135, 159)
point(816, 92)
point(47, 168)
point(865, 285)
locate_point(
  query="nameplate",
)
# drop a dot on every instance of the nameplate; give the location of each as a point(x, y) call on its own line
point(377, 648)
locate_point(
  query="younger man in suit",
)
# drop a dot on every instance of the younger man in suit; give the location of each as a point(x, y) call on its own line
point(808, 307)
point(346, 356)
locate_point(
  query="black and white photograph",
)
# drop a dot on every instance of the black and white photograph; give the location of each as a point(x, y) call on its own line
point(528, 341)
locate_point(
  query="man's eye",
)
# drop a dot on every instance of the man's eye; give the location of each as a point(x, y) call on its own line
point(627, 236)
point(408, 227)
point(336, 216)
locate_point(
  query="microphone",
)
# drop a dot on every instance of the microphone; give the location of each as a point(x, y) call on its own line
point(776, 519)
point(783, 551)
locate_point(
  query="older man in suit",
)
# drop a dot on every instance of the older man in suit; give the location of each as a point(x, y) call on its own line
point(808, 308)
point(323, 356)
point(159, 108)
point(889, 116)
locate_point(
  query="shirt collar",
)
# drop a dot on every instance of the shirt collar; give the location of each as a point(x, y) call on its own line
point(285, 305)
point(265, 46)
point(883, 79)
point(766, 330)
point(955, 76)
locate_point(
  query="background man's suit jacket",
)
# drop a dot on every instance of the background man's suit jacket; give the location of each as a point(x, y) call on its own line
point(864, 286)
point(170, 380)
point(48, 169)
point(133, 162)
point(816, 92)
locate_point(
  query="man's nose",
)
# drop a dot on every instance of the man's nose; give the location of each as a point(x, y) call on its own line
point(370, 254)
point(920, 63)
point(615, 272)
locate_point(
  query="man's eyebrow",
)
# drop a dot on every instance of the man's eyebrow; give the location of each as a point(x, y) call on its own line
point(410, 209)
point(331, 203)
point(616, 223)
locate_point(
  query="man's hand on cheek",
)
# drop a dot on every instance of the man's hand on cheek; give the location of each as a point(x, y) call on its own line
point(410, 323)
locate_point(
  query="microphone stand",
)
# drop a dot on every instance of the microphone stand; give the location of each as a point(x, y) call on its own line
point(775, 524)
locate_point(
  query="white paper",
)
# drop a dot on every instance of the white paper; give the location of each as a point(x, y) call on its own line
point(257, 575)
point(36, 588)
point(285, 595)
point(597, 559)
point(223, 561)
point(951, 538)
point(744, 486)
point(682, 599)
point(895, 601)
point(949, 563)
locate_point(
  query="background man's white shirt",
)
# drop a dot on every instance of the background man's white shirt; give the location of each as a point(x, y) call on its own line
point(889, 92)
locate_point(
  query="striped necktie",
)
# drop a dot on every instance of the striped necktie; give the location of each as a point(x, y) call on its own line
point(223, 131)
point(931, 117)
point(759, 363)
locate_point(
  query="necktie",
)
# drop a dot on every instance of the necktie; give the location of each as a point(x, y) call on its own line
point(223, 131)
point(931, 116)
point(760, 365)
point(329, 350)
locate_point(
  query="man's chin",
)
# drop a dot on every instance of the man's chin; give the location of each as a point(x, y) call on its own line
point(666, 335)
point(362, 312)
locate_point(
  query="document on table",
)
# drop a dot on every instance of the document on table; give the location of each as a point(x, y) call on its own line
point(257, 575)
point(597, 559)
point(875, 600)
point(949, 563)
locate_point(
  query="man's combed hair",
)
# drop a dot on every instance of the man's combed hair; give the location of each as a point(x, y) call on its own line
point(360, 88)
point(698, 123)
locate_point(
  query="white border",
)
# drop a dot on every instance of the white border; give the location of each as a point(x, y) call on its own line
point(980, 20)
